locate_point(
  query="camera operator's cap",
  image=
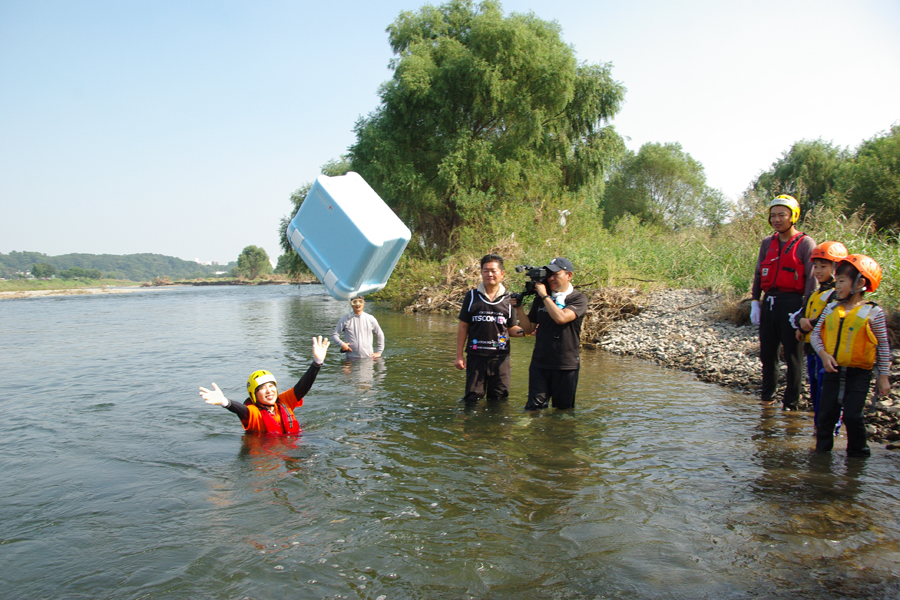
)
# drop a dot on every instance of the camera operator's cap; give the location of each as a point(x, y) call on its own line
point(561, 264)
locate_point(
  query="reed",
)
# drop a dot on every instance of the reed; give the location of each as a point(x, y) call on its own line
point(636, 255)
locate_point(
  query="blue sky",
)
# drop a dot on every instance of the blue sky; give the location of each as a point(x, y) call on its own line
point(182, 128)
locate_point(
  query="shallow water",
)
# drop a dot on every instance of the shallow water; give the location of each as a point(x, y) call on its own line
point(119, 482)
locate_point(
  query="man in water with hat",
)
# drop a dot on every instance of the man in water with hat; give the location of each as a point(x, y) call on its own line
point(557, 312)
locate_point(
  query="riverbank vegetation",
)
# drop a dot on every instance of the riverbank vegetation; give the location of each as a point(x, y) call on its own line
point(32, 285)
point(130, 267)
point(44, 285)
point(635, 255)
point(253, 262)
point(491, 136)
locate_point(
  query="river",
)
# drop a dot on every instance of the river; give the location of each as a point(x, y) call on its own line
point(117, 481)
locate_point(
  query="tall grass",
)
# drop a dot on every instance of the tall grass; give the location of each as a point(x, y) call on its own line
point(636, 255)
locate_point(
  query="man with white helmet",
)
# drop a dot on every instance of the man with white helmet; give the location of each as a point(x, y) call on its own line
point(784, 272)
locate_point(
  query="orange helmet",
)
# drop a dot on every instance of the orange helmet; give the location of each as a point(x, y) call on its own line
point(833, 251)
point(867, 267)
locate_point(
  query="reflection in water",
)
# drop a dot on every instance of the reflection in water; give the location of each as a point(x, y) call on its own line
point(809, 511)
point(656, 485)
point(364, 374)
point(277, 456)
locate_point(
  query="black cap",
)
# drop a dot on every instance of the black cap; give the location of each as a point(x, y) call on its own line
point(561, 264)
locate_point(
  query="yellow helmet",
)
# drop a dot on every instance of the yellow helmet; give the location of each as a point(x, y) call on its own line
point(790, 202)
point(256, 379)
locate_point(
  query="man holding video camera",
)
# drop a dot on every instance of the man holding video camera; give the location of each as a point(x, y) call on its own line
point(556, 313)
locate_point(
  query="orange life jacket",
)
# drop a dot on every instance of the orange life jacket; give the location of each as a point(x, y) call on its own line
point(261, 421)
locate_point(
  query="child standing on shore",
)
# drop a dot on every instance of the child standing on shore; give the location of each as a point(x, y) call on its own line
point(824, 258)
point(851, 339)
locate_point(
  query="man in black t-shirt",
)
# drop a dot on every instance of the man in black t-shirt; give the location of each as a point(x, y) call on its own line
point(487, 319)
point(557, 316)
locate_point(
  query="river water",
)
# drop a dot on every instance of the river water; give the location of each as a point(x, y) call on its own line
point(117, 481)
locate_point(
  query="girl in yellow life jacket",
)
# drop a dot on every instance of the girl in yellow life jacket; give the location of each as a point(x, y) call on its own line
point(851, 339)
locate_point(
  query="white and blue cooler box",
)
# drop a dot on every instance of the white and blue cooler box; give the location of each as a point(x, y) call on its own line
point(348, 236)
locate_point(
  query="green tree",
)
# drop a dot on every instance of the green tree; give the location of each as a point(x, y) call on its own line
point(715, 208)
point(136, 267)
point(282, 267)
point(665, 185)
point(872, 180)
point(808, 172)
point(73, 273)
point(252, 262)
point(42, 270)
point(483, 111)
point(293, 264)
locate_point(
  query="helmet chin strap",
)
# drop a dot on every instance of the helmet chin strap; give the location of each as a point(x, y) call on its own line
point(853, 289)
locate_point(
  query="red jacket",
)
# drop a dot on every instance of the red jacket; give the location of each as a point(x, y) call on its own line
point(782, 270)
point(282, 423)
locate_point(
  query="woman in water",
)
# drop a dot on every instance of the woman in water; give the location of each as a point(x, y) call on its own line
point(266, 411)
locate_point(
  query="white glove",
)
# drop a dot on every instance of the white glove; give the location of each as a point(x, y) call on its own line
point(794, 319)
point(214, 396)
point(754, 312)
point(319, 348)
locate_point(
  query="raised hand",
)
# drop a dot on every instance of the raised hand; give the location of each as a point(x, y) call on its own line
point(319, 348)
point(214, 396)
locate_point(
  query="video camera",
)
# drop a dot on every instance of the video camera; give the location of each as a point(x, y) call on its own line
point(534, 275)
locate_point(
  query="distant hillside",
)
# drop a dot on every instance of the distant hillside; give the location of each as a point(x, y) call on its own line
point(135, 267)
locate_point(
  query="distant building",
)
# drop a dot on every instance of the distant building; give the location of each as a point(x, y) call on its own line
point(205, 263)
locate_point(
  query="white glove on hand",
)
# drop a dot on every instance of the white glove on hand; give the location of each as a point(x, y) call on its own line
point(794, 319)
point(754, 312)
point(214, 396)
point(319, 348)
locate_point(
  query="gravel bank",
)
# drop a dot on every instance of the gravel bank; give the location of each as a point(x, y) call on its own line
point(678, 329)
point(66, 292)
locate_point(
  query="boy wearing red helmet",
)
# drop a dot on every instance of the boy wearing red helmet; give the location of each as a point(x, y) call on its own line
point(825, 258)
point(266, 411)
point(851, 339)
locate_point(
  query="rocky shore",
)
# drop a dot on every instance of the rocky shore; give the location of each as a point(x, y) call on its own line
point(681, 329)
